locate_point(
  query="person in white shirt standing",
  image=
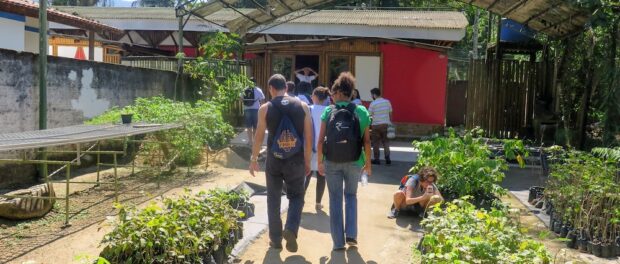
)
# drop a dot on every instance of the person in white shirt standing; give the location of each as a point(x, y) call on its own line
point(381, 112)
point(319, 96)
point(303, 75)
point(252, 99)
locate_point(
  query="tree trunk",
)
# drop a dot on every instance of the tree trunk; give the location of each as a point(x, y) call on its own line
point(474, 47)
point(587, 94)
point(612, 112)
point(559, 84)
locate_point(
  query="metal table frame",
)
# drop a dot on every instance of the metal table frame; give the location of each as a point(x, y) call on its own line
point(39, 140)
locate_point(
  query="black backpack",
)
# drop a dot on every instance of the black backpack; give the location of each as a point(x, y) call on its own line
point(248, 96)
point(343, 140)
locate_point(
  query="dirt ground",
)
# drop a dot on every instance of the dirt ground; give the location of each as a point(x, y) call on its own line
point(381, 240)
point(47, 240)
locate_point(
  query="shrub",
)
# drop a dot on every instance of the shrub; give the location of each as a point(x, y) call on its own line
point(463, 234)
point(584, 190)
point(203, 123)
point(183, 230)
point(464, 164)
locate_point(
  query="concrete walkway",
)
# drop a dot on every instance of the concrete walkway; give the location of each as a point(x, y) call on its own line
point(400, 150)
point(381, 240)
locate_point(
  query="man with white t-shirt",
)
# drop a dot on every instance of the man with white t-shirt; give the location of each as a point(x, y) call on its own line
point(381, 112)
point(252, 99)
point(303, 75)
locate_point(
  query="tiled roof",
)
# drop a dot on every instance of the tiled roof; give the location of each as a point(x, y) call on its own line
point(389, 18)
point(31, 9)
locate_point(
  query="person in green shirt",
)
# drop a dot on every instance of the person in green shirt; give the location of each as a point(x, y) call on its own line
point(342, 170)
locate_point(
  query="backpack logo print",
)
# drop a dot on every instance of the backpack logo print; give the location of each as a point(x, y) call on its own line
point(287, 141)
point(339, 126)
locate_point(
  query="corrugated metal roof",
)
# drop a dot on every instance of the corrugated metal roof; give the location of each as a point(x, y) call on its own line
point(389, 18)
point(419, 19)
point(31, 9)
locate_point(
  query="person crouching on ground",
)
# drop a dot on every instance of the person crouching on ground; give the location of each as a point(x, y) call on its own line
point(418, 193)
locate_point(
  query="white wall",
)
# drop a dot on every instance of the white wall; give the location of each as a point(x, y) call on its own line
point(12, 32)
point(31, 35)
point(367, 75)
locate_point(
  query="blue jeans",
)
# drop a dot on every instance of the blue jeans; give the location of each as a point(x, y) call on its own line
point(342, 179)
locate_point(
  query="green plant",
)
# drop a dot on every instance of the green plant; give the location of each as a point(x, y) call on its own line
point(183, 230)
point(202, 122)
point(464, 165)
point(463, 234)
point(585, 192)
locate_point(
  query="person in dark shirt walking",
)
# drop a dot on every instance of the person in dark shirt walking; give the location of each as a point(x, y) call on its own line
point(289, 150)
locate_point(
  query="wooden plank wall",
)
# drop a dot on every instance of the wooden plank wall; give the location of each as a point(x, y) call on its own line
point(504, 109)
point(456, 103)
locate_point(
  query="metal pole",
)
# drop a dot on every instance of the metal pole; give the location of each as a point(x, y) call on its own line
point(98, 161)
point(180, 62)
point(115, 180)
point(43, 64)
point(43, 76)
point(91, 45)
point(67, 195)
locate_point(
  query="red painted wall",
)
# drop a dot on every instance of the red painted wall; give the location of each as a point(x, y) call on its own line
point(189, 51)
point(414, 80)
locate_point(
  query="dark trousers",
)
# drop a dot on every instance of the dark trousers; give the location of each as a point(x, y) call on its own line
point(379, 138)
point(289, 172)
point(320, 185)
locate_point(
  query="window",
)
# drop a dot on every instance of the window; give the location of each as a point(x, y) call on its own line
point(337, 64)
point(282, 64)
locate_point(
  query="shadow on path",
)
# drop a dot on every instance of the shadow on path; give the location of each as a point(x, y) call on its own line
point(318, 221)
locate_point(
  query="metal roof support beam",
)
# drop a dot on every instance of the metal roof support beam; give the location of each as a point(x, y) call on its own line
point(514, 7)
point(239, 12)
point(556, 4)
point(284, 5)
point(557, 23)
point(492, 5)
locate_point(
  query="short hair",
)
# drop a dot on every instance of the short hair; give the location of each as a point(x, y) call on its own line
point(303, 88)
point(427, 172)
point(277, 81)
point(290, 86)
point(321, 93)
point(344, 84)
point(375, 91)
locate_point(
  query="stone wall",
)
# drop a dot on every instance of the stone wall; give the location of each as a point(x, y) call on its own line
point(77, 91)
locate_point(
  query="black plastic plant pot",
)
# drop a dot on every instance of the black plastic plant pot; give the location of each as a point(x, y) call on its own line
point(608, 251)
point(617, 249)
point(582, 244)
point(564, 231)
point(572, 239)
point(597, 249)
point(557, 227)
point(220, 254)
point(551, 222)
point(126, 118)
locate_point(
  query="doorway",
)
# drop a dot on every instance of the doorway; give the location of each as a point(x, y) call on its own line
point(310, 61)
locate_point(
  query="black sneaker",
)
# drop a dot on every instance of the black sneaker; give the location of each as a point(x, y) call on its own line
point(388, 161)
point(393, 213)
point(275, 245)
point(351, 242)
point(291, 240)
point(376, 162)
